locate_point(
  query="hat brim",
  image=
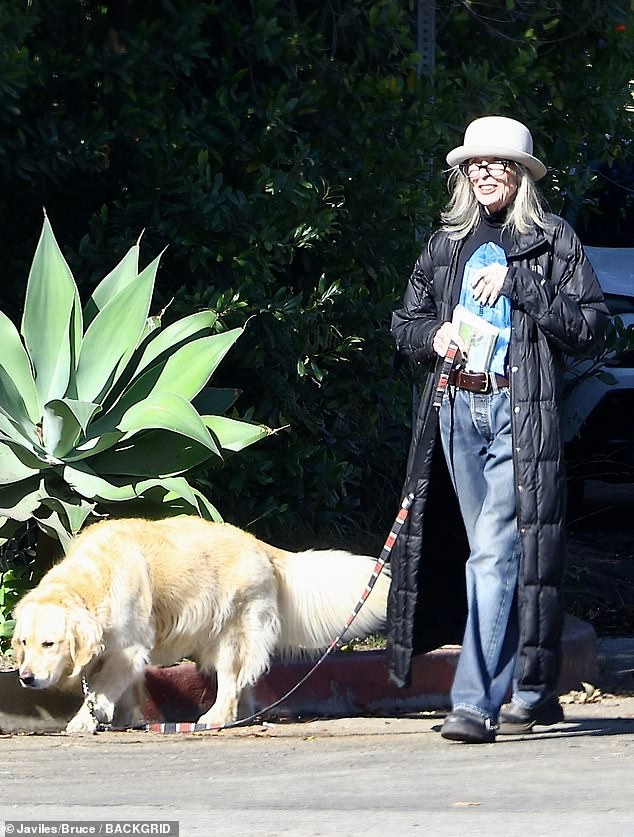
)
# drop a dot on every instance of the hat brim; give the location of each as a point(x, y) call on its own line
point(467, 152)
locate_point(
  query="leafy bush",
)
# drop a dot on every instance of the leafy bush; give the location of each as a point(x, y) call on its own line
point(19, 572)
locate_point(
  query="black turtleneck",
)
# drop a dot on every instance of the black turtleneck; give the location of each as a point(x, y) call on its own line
point(488, 228)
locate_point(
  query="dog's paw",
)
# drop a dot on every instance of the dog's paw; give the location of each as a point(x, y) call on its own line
point(214, 720)
point(82, 724)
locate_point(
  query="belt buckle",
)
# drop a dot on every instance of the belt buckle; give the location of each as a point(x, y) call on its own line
point(486, 383)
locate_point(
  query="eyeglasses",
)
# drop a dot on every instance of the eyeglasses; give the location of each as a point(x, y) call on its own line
point(495, 168)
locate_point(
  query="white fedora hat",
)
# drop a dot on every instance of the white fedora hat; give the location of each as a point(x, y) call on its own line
point(498, 136)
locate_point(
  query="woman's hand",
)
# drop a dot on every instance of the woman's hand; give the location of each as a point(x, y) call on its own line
point(444, 336)
point(488, 282)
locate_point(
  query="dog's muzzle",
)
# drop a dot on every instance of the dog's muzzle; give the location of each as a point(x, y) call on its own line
point(29, 680)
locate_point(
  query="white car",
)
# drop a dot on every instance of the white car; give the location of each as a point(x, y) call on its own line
point(598, 412)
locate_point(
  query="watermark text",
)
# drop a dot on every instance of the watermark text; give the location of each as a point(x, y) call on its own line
point(165, 828)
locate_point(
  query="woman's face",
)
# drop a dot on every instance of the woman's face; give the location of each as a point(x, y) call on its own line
point(494, 188)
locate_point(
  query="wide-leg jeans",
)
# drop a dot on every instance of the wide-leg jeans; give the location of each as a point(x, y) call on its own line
point(476, 438)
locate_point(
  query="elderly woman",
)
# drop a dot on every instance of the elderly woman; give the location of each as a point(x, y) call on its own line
point(521, 271)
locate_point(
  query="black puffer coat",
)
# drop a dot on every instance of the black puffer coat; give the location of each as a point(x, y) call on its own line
point(558, 310)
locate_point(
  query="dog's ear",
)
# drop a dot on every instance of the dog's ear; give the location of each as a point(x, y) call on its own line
point(85, 638)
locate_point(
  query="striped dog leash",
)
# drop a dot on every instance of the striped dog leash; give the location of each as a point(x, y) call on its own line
point(171, 727)
point(445, 369)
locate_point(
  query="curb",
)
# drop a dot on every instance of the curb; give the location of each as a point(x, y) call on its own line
point(352, 683)
point(344, 685)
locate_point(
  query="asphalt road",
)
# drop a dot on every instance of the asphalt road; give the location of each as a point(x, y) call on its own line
point(378, 776)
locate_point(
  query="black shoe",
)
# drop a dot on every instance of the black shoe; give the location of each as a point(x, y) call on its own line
point(514, 719)
point(468, 728)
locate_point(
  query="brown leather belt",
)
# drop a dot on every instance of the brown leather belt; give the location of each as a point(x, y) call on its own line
point(476, 381)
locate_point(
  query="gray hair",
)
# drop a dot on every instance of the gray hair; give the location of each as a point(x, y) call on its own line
point(462, 211)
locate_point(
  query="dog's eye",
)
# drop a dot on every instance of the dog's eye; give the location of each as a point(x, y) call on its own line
point(48, 644)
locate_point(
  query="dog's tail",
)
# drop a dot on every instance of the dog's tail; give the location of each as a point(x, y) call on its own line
point(318, 592)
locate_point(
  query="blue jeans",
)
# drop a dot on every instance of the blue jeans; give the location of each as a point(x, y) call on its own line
point(476, 438)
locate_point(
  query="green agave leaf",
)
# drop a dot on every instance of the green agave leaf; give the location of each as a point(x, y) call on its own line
point(118, 278)
point(159, 501)
point(138, 456)
point(12, 468)
point(56, 527)
point(132, 395)
point(168, 411)
point(167, 339)
point(113, 335)
point(207, 509)
point(151, 324)
point(176, 497)
point(15, 361)
point(11, 431)
point(126, 368)
point(19, 500)
point(94, 445)
point(126, 371)
point(73, 513)
point(64, 422)
point(34, 459)
point(152, 354)
point(88, 484)
point(96, 488)
point(52, 319)
point(233, 434)
point(184, 373)
point(170, 490)
point(190, 367)
point(13, 404)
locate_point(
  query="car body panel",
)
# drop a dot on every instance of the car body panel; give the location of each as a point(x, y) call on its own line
point(598, 413)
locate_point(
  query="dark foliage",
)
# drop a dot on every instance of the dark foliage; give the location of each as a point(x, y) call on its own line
point(287, 153)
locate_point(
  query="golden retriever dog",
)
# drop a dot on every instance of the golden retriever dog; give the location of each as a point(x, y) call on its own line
point(134, 592)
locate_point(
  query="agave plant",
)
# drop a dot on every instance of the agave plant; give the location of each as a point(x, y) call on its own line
point(103, 411)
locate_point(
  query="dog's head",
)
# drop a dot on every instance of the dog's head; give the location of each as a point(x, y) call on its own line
point(52, 643)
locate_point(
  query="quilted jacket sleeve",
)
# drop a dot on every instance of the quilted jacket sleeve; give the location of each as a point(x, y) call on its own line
point(416, 322)
point(565, 300)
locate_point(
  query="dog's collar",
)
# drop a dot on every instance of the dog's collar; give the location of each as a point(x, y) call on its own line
point(89, 698)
